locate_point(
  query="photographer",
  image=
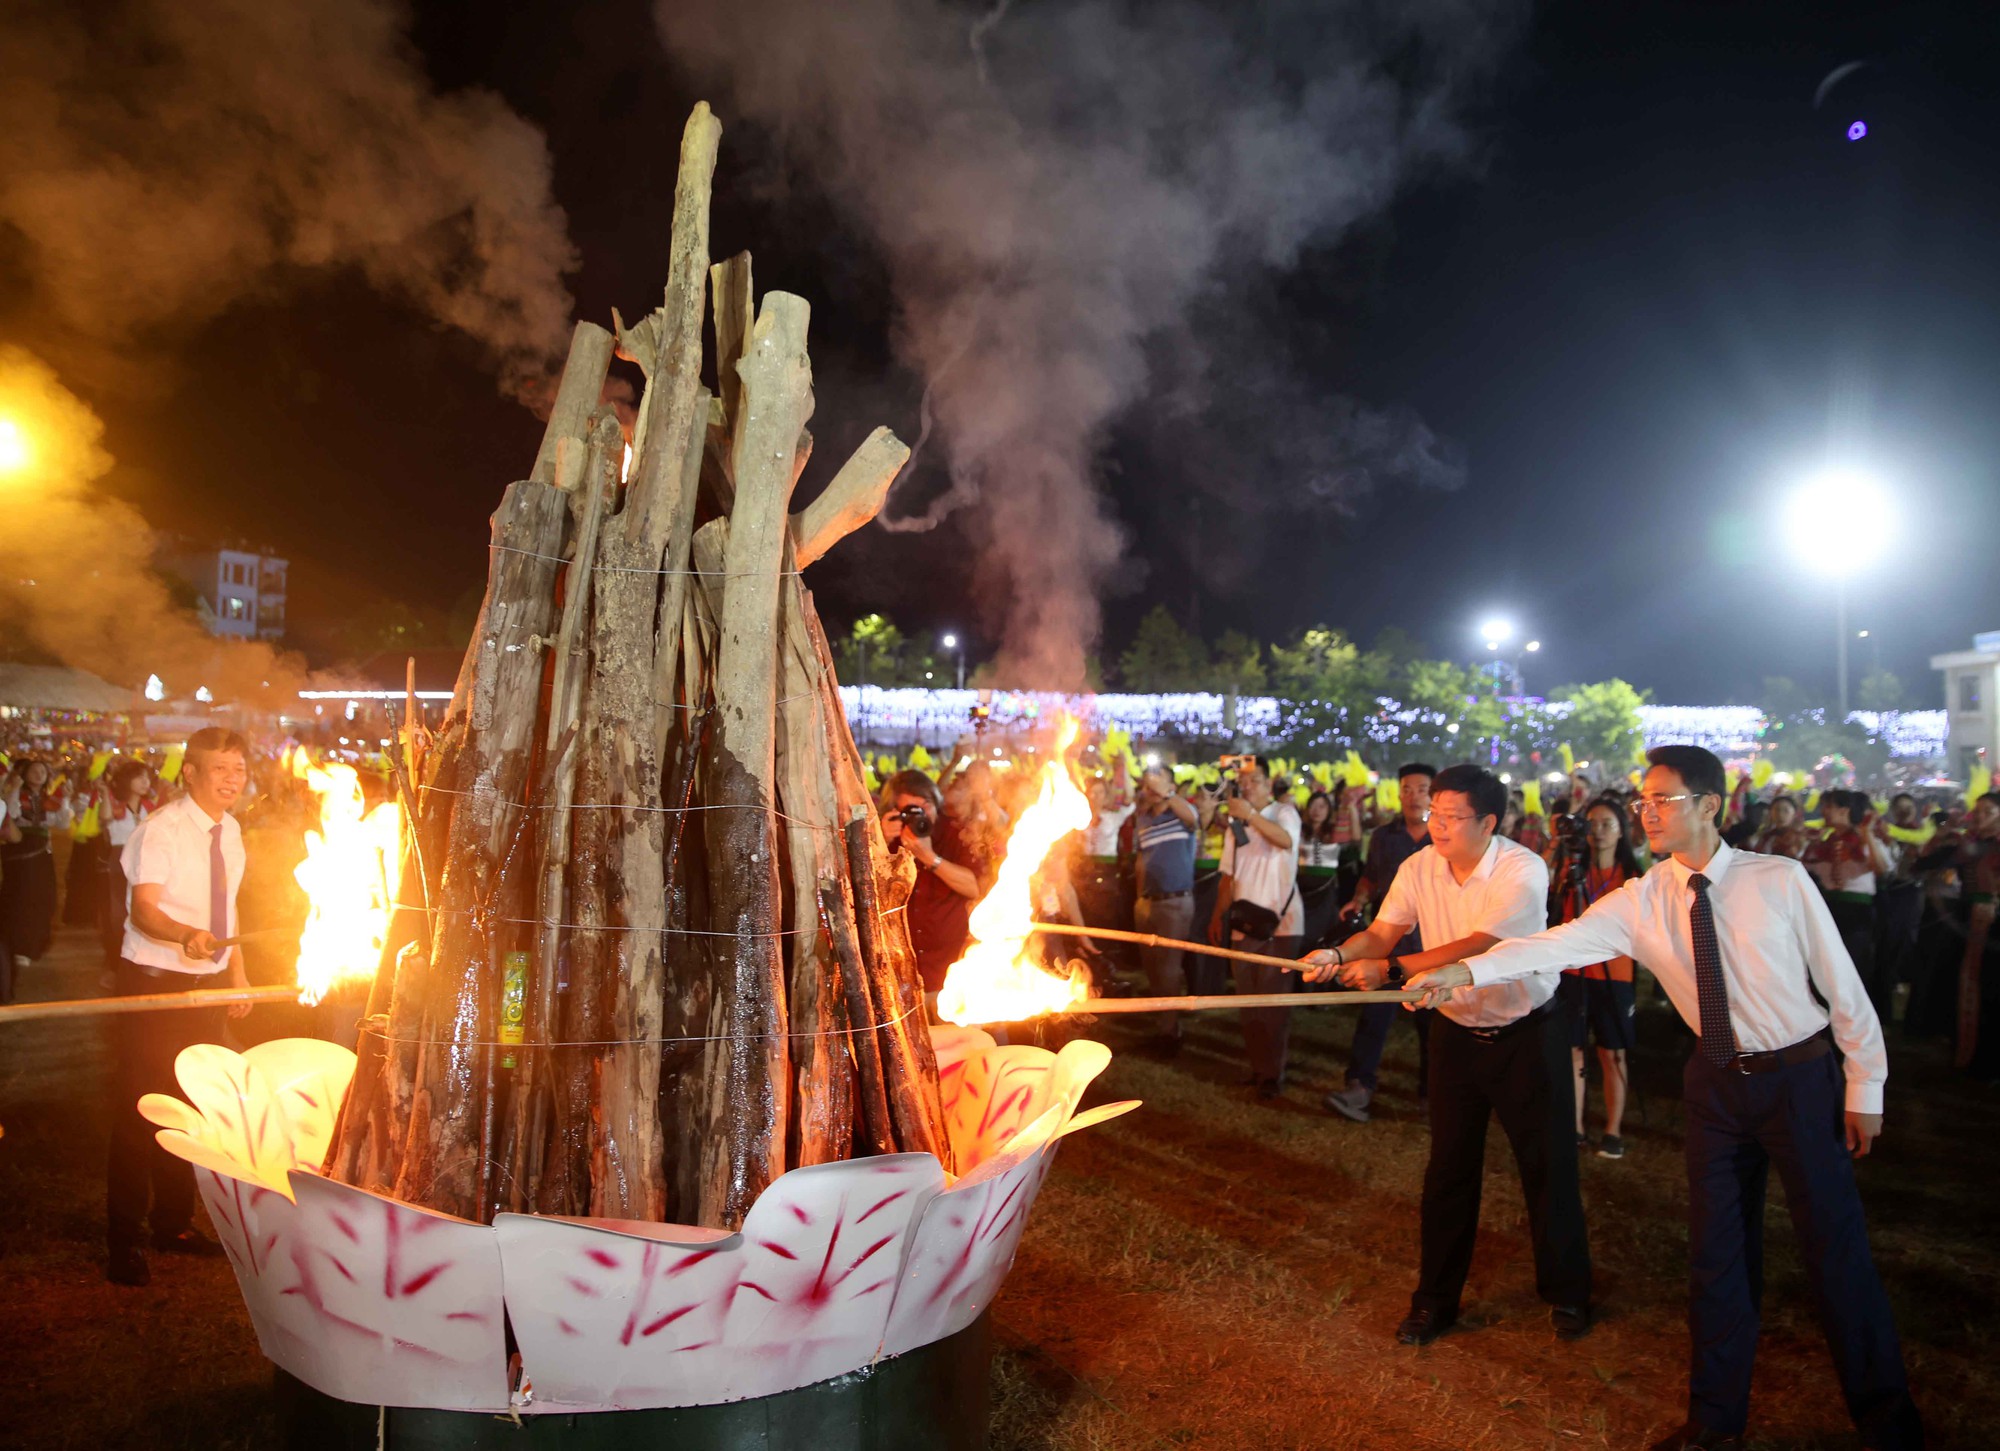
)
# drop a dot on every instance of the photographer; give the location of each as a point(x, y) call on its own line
point(952, 873)
point(1258, 909)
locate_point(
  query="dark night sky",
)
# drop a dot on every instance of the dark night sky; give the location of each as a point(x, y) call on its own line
point(1667, 283)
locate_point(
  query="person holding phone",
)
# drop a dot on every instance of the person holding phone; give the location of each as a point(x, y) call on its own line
point(1257, 909)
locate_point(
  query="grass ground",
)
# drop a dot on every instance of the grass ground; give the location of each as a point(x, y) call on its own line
point(1208, 1272)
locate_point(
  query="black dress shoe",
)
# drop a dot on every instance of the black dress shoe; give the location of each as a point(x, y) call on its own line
point(1270, 1088)
point(1421, 1327)
point(1696, 1437)
point(1572, 1322)
point(186, 1242)
point(128, 1267)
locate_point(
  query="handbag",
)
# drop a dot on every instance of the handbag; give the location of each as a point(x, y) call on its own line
point(1248, 919)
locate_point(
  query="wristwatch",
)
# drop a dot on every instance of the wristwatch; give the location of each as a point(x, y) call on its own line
point(1395, 978)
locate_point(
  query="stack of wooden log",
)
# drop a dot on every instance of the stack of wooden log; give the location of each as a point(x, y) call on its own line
point(663, 957)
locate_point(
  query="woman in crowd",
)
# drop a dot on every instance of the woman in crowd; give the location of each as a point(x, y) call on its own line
point(1601, 998)
point(1320, 853)
point(1845, 859)
point(1783, 832)
point(37, 807)
point(124, 799)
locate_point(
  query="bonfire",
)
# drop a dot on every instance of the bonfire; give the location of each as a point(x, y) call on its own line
point(644, 1089)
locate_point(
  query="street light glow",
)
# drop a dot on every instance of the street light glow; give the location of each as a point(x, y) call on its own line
point(1839, 521)
point(1534, 645)
point(1497, 630)
point(951, 642)
point(14, 450)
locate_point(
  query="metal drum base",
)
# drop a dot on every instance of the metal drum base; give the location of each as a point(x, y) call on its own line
point(933, 1399)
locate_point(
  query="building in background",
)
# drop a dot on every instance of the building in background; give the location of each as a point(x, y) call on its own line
point(240, 593)
point(1971, 698)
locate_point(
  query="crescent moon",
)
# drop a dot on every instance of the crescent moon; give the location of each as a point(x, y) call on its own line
point(1835, 77)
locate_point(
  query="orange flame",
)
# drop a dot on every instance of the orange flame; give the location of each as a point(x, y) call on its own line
point(996, 981)
point(351, 874)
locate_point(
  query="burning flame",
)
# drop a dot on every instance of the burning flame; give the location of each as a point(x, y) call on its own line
point(351, 874)
point(996, 981)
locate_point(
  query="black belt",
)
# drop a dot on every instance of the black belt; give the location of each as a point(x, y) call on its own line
point(1494, 1035)
point(1164, 896)
point(1817, 1046)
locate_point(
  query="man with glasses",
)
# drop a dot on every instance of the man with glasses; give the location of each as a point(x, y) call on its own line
point(1499, 1052)
point(1748, 952)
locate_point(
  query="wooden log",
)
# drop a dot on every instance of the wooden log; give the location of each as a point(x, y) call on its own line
point(590, 477)
point(874, 1124)
point(577, 395)
point(910, 1061)
point(729, 283)
point(746, 1102)
point(442, 1160)
point(852, 498)
point(822, 1071)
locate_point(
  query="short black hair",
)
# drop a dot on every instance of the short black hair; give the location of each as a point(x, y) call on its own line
point(1416, 768)
point(1700, 770)
point(214, 740)
point(1477, 785)
point(1902, 796)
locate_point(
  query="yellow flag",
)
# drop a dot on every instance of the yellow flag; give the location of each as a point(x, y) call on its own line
point(1979, 785)
point(1568, 758)
point(921, 758)
point(1388, 794)
point(1531, 797)
point(97, 764)
point(85, 826)
point(171, 771)
point(1356, 770)
point(1760, 775)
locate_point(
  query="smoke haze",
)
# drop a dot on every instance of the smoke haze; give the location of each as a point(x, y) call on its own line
point(1057, 187)
point(76, 567)
point(167, 158)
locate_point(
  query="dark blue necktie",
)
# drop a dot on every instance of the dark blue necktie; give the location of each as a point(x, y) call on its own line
point(218, 890)
point(1718, 1039)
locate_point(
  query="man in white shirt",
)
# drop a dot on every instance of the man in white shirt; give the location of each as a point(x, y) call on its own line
point(1748, 952)
point(184, 864)
point(1501, 1051)
point(1257, 908)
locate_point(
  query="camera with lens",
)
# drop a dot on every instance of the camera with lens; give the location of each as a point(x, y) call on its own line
point(916, 821)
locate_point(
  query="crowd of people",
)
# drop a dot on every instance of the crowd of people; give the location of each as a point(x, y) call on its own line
point(1530, 933)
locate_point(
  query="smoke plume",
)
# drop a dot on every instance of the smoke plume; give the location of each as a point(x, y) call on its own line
point(165, 159)
point(1057, 187)
point(76, 567)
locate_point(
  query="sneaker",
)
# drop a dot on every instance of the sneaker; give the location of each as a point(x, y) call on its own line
point(1611, 1146)
point(128, 1267)
point(1350, 1102)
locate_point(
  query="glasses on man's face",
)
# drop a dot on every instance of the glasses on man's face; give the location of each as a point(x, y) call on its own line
point(1658, 804)
point(1452, 818)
